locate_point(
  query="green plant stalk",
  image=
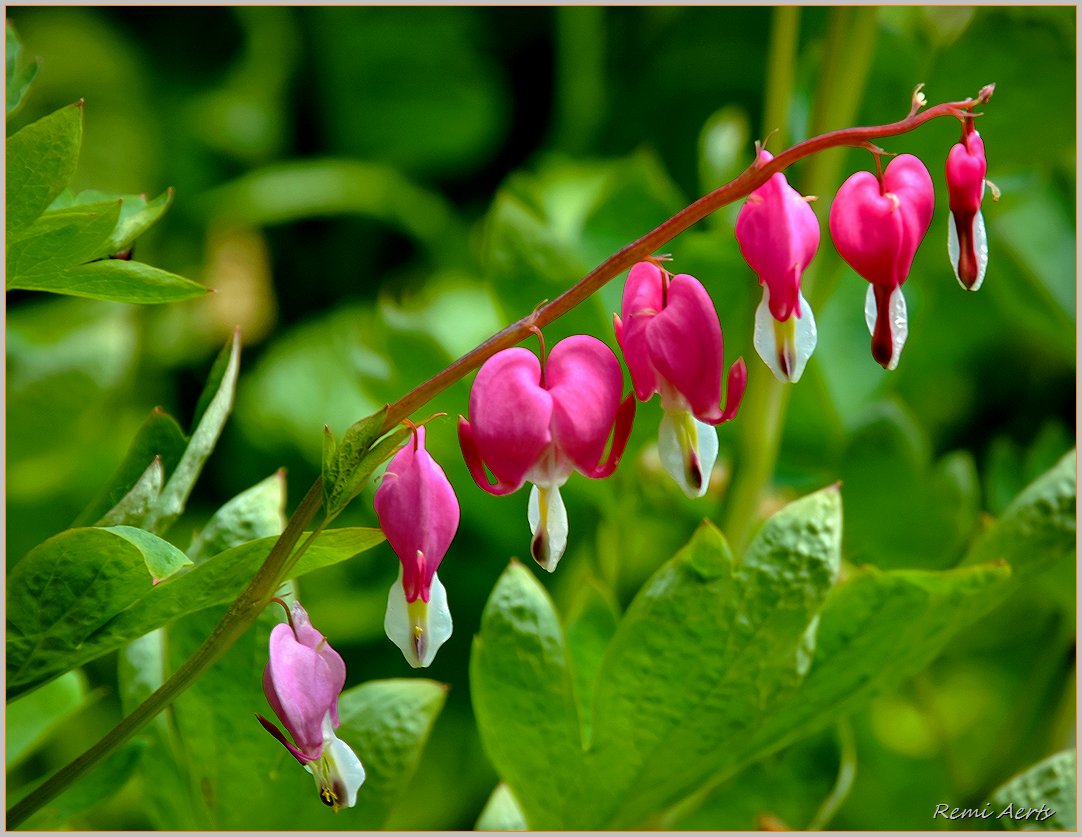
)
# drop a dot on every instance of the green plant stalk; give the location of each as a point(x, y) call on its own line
point(244, 610)
point(240, 616)
point(849, 52)
point(847, 774)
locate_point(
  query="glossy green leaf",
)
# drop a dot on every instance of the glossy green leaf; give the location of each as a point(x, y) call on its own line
point(41, 160)
point(590, 627)
point(1050, 787)
point(876, 630)
point(387, 723)
point(523, 696)
point(115, 280)
point(704, 654)
point(161, 557)
point(213, 409)
point(258, 512)
point(58, 240)
point(160, 437)
point(345, 465)
point(1038, 529)
point(137, 214)
point(501, 812)
point(20, 72)
point(85, 592)
point(136, 505)
point(31, 718)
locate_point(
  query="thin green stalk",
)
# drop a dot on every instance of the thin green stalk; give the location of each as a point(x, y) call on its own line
point(241, 614)
point(784, 32)
point(847, 774)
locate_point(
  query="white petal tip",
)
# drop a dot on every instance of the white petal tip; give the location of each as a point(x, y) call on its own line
point(548, 525)
point(418, 628)
point(785, 346)
point(688, 449)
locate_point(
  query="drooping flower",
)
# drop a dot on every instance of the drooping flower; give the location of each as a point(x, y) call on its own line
point(778, 235)
point(302, 681)
point(538, 422)
point(877, 225)
point(418, 512)
point(672, 343)
point(967, 240)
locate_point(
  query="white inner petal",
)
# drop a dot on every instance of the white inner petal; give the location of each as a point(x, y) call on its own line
point(795, 337)
point(679, 435)
point(418, 629)
point(548, 515)
point(899, 321)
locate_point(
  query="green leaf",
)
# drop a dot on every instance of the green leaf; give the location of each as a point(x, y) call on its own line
point(1049, 785)
point(524, 698)
point(115, 280)
point(212, 410)
point(876, 630)
point(501, 812)
point(141, 669)
point(58, 240)
point(591, 625)
point(86, 592)
point(41, 161)
point(347, 467)
point(31, 718)
point(137, 215)
point(1038, 529)
point(161, 557)
point(160, 437)
point(353, 477)
point(703, 655)
point(386, 722)
point(258, 512)
point(102, 782)
point(20, 72)
point(134, 506)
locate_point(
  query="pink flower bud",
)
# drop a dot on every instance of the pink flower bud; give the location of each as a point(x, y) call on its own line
point(529, 423)
point(778, 235)
point(672, 344)
point(302, 681)
point(967, 240)
point(877, 225)
point(418, 512)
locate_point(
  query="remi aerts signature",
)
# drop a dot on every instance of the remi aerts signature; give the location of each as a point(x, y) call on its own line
point(1011, 812)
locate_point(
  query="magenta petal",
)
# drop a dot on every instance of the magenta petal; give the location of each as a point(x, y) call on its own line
point(510, 414)
point(585, 381)
point(778, 235)
point(270, 727)
point(418, 512)
point(643, 299)
point(686, 345)
point(965, 169)
point(472, 455)
point(621, 432)
point(302, 686)
point(867, 229)
point(907, 178)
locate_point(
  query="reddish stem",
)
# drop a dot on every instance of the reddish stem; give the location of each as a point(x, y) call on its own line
point(747, 182)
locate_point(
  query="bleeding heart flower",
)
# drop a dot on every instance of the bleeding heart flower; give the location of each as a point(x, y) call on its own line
point(302, 681)
point(537, 423)
point(967, 240)
point(672, 344)
point(418, 512)
point(877, 225)
point(778, 235)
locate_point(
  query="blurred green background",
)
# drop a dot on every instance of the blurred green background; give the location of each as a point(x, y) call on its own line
point(373, 191)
